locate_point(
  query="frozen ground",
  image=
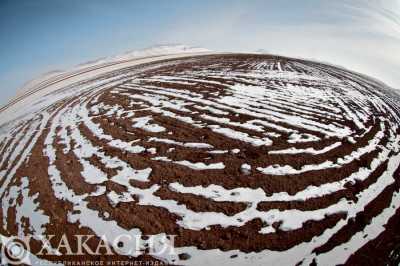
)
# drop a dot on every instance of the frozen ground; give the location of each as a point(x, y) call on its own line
point(248, 159)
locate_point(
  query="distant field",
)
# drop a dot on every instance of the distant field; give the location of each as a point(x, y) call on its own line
point(248, 159)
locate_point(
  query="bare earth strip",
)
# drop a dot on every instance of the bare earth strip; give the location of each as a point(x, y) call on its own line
point(248, 159)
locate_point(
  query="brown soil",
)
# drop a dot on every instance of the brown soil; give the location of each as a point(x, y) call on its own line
point(155, 220)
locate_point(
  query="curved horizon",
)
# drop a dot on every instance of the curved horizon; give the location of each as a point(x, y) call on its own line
point(38, 37)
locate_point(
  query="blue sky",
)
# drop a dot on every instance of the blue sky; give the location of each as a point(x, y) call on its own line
point(44, 35)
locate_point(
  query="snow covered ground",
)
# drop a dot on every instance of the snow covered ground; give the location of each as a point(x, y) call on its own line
point(200, 143)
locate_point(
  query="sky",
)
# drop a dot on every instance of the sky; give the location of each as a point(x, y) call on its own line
point(45, 35)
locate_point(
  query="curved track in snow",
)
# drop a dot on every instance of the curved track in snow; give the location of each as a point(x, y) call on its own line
point(247, 159)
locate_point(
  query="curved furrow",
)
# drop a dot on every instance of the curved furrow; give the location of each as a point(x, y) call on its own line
point(245, 158)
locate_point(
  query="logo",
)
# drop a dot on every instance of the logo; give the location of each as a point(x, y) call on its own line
point(14, 251)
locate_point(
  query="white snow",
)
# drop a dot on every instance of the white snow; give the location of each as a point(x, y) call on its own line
point(143, 123)
point(275, 110)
